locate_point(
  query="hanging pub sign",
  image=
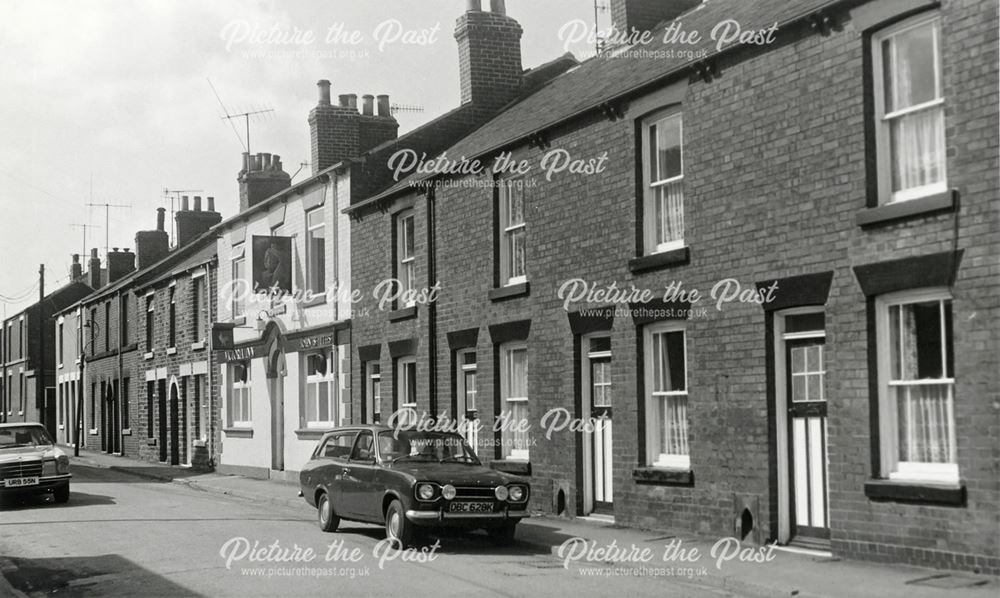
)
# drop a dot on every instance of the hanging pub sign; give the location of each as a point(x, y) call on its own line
point(272, 264)
point(222, 336)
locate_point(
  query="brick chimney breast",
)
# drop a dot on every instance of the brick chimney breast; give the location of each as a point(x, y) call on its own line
point(644, 15)
point(333, 129)
point(192, 224)
point(152, 246)
point(120, 263)
point(489, 56)
point(76, 268)
point(259, 179)
point(94, 269)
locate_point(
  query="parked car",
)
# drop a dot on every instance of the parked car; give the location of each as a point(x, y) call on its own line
point(409, 480)
point(31, 463)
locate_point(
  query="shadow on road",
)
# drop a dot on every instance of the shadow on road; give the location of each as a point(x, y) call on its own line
point(532, 539)
point(152, 474)
point(76, 499)
point(103, 575)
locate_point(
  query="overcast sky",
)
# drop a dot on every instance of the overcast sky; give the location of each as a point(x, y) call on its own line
point(119, 93)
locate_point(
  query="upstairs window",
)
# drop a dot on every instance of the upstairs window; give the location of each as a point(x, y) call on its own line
point(315, 251)
point(909, 109)
point(239, 282)
point(107, 326)
point(513, 233)
point(123, 316)
point(150, 313)
point(172, 319)
point(663, 181)
point(405, 257)
point(198, 308)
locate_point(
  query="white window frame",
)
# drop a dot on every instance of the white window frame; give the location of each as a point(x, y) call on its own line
point(403, 388)
point(892, 467)
point(460, 379)
point(200, 394)
point(237, 306)
point(374, 398)
point(172, 318)
point(240, 391)
point(329, 380)
point(654, 457)
point(508, 230)
point(883, 121)
point(651, 244)
point(406, 261)
point(313, 270)
point(199, 301)
point(506, 399)
point(150, 322)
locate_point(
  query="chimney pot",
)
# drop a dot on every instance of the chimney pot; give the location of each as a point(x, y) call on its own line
point(93, 253)
point(368, 104)
point(471, 5)
point(352, 101)
point(383, 105)
point(197, 203)
point(324, 92)
point(76, 258)
point(275, 162)
point(342, 100)
point(115, 249)
point(498, 6)
point(160, 218)
point(246, 161)
point(211, 204)
point(184, 203)
point(265, 161)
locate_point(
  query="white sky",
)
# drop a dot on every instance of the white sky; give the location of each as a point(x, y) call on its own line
point(119, 91)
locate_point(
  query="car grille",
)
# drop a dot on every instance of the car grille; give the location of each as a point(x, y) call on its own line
point(475, 492)
point(21, 469)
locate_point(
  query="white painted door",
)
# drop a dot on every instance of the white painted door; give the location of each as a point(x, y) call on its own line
point(807, 434)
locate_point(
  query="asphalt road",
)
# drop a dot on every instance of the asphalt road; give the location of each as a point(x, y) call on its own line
point(121, 535)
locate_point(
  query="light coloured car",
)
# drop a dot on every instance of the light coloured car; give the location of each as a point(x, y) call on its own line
point(31, 463)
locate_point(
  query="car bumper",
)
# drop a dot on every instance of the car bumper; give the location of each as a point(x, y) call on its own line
point(46, 483)
point(444, 517)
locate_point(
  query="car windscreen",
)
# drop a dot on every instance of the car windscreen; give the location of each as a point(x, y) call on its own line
point(18, 437)
point(424, 446)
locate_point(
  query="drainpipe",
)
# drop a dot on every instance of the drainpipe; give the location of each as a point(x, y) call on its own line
point(121, 381)
point(211, 368)
point(431, 307)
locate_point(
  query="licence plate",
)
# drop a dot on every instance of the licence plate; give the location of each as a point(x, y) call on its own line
point(20, 482)
point(471, 507)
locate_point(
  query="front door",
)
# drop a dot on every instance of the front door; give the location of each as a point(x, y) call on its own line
point(276, 390)
point(599, 437)
point(161, 415)
point(174, 426)
point(808, 508)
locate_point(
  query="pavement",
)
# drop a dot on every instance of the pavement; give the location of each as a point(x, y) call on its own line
point(610, 551)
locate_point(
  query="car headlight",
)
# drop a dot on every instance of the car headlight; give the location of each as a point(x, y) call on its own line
point(517, 493)
point(448, 492)
point(425, 491)
point(49, 468)
point(501, 492)
point(62, 464)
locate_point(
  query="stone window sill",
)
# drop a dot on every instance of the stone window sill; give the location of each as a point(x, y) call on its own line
point(150, 442)
point(661, 476)
point(199, 346)
point(658, 261)
point(310, 433)
point(945, 201)
point(916, 492)
point(148, 356)
point(238, 432)
point(403, 313)
point(316, 300)
point(198, 443)
point(92, 432)
point(171, 350)
point(512, 466)
point(520, 289)
point(127, 432)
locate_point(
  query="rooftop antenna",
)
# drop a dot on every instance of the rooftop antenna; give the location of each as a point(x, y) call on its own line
point(84, 227)
point(245, 115)
point(599, 7)
point(107, 219)
point(394, 108)
point(175, 195)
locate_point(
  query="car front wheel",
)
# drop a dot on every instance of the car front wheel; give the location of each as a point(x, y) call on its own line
point(61, 494)
point(328, 519)
point(397, 526)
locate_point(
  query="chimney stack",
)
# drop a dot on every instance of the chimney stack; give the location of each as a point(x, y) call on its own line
point(192, 224)
point(76, 269)
point(120, 263)
point(152, 246)
point(262, 176)
point(489, 52)
point(383, 105)
point(94, 269)
point(644, 15)
point(368, 104)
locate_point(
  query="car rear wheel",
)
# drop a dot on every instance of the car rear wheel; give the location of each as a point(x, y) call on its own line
point(61, 493)
point(397, 526)
point(328, 519)
point(503, 534)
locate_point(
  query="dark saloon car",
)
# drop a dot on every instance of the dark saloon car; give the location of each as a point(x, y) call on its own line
point(31, 463)
point(405, 480)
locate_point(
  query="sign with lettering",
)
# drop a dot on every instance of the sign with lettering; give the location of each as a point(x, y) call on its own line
point(313, 341)
point(242, 353)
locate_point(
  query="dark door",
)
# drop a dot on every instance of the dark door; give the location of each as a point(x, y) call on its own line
point(174, 426)
point(359, 493)
point(161, 415)
point(329, 473)
point(807, 438)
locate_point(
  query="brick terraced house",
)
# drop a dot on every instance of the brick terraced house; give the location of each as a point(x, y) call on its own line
point(842, 172)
